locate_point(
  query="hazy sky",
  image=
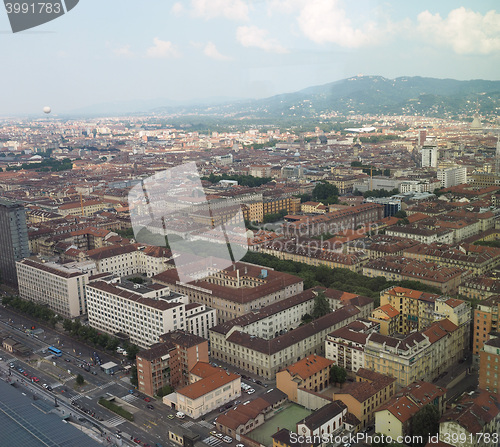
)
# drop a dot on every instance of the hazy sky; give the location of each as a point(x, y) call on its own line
point(114, 50)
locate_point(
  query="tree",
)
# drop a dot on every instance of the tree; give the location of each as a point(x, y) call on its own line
point(325, 192)
point(425, 423)
point(164, 391)
point(400, 214)
point(133, 376)
point(338, 374)
point(321, 306)
point(132, 351)
point(403, 221)
point(80, 380)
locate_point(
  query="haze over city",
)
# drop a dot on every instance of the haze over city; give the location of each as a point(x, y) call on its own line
point(199, 50)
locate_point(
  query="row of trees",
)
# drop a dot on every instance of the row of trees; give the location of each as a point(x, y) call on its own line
point(340, 279)
point(275, 217)
point(243, 180)
point(38, 311)
point(98, 339)
point(46, 165)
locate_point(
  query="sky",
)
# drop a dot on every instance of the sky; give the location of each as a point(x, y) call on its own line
point(106, 51)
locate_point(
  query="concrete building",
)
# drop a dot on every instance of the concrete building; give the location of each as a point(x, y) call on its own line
point(429, 156)
point(475, 416)
point(60, 287)
point(267, 357)
point(422, 355)
point(14, 244)
point(452, 176)
point(489, 366)
point(169, 361)
point(346, 346)
point(328, 421)
point(236, 290)
point(311, 373)
point(388, 318)
point(209, 388)
point(366, 394)
point(142, 313)
point(394, 417)
point(485, 322)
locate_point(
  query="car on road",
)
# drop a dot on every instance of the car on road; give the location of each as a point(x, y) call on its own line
point(229, 405)
point(35, 379)
point(180, 415)
point(258, 382)
point(147, 399)
point(137, 440)
point(251, 391)
point(12, 365)
point(170, 416)
point(150, 407)
point(49, 388)
point(45, 385)
point(67, 360)
point(227, 439)
point(222, 409)
point(213, 433)
point(25, 374)
point(20, 370)
point(240, 445)
point(236, 402)
point(219, 435)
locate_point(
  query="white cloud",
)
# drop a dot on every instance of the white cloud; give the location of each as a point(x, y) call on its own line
point(252, 36)
point(464, 30)
point(177, 8)
point(229, 9)
point(162, 49)
point(123, 51)
point(324, 21)
point(212, 52)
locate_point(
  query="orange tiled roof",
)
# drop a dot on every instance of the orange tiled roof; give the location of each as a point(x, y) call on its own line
point(309, 366)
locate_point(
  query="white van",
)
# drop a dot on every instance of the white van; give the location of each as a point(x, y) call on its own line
point(180, 415)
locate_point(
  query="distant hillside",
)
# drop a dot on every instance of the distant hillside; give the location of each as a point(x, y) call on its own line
point(372, 95)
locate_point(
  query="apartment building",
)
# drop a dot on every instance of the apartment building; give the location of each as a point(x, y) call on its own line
point(380, 245)
point(395, 416)
point(82, 208)
point(60, 287)
point(485, 322)
point(236, 290)
point(169, 361)
point(475, 258)
point(314, 253)
point(489, 366)
point(130, 259)
point(479, 287)
point(267, 357)
point(452, 176)
point(209, 388)
point(397, 268)
point(311, 373)
point(422, 355)
point(142, 313)
point(349, 218)
point(417, 310)
point(366, 394)
point(387, 317)
point(474, 417)
point(421, 234)
point(346, 346)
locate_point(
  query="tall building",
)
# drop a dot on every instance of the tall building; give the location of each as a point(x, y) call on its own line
point(489, 366)
point(429, 156)
point(169, 362)
point(60, 287)
point(452, 176)
point(14, 244)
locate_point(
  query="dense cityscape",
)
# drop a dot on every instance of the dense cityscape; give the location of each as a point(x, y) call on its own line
point(250, 223)
point(362, 310)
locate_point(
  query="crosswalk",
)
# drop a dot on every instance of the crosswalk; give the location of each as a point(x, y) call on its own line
point(114, 422)
point(206, 424)
point(105, 385)
point(212, 441)
point(75, 398)
point(187, 424)
point(130, 398)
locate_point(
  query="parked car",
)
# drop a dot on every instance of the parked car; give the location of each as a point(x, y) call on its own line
point(258, 382)
point(147, 399)
point(219, 435)
point(150, 407)
point(170, 416)
point(227, 439)
point(180, 415)
point(251, 391)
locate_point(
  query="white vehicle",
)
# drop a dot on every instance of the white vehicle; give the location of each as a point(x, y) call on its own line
point(180, 415)
point(119, 350)
point(251, 391)
point(227, 439)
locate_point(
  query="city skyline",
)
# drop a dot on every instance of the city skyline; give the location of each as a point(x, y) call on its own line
point(193, 51)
